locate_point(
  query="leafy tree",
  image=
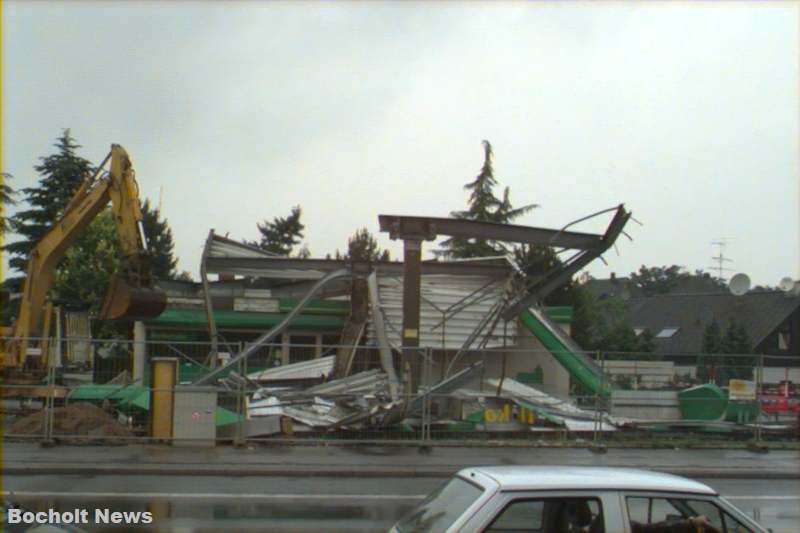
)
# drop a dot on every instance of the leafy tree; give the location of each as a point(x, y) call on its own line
point(282, 234)
point(82, 278)
point(665, 279)
point(160, 244)
point(602, 325)
point(657, 280)
point(362, 246)
point(483, 206)
point(60, 174)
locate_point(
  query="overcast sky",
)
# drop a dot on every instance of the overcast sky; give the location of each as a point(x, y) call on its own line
point(686, 113)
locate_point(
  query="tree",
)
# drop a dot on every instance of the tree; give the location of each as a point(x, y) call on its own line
point(657, 280)
point(60, 174)
point(602, 325)
point(84, 272)
point(536, 261)
point(483, 206)
point(665, 279)
point(362, 246)
point(7, 195)
point(282, 234)
point(160, 244)
point(734, 342)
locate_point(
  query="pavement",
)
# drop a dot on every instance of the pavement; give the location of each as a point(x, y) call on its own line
point(365, 461)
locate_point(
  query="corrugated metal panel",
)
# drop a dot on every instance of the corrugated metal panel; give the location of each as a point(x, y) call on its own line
point(222, 247)
point(313, 368)
point(440, 293)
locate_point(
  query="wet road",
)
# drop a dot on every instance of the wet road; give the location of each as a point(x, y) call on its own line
point(204, 504)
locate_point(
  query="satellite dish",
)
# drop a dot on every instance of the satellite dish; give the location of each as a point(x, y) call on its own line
point(786, 284)
point(739, 284)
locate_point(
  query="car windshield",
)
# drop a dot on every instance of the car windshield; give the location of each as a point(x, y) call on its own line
point(441, 508)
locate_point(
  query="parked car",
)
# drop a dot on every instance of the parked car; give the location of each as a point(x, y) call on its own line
point(546, 499)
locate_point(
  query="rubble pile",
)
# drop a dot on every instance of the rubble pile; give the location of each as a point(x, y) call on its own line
point(363, 401)
point(74, 420)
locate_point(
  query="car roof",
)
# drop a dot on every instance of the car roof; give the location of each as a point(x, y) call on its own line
point(585, 477)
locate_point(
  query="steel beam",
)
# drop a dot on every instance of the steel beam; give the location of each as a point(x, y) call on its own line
point(430, 227)
point(412, 259)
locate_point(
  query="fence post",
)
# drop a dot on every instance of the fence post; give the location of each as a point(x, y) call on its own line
point(49, 404)
point(239, 441)
point(759, 384)
point(597, 446)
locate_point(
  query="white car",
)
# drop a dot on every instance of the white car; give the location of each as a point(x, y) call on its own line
point(547, 499)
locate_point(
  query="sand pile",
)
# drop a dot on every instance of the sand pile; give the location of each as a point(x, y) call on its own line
point(77, 419)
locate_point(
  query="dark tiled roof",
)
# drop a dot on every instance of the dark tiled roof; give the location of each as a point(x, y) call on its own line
point(602, 288)
point(760, 312)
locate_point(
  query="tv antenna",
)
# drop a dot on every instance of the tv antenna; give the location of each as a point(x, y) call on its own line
point(720, 258)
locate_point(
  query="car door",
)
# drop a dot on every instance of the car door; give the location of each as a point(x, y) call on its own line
point(548, 512)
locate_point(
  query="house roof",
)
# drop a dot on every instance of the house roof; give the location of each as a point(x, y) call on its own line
point(760, 312)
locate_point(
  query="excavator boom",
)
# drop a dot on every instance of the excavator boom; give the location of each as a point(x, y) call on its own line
point(132, 294)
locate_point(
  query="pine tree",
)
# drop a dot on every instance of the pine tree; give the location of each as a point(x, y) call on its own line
point(282, 234)
point(60, 174)
point(484, 206)
point(7, 194)
point(362, 246)
point(160, 244)
point(736, 342)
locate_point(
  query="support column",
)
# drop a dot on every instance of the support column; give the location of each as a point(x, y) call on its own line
point(139, 350)
point(412, 257)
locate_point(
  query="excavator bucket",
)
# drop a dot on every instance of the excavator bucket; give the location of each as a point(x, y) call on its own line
point(126, 302)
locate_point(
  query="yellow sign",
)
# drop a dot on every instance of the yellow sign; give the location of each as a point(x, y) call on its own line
point(505, 414)
point(741, 389)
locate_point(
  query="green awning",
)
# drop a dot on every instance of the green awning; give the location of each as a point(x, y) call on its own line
point(561, 314)
point(241, 319)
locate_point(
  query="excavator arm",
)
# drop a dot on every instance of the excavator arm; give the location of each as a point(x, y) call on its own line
point(131, 293)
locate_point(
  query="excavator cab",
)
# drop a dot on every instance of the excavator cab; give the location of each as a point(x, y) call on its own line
point(125, 301)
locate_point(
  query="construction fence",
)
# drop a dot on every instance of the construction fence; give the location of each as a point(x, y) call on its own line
point(116, 391)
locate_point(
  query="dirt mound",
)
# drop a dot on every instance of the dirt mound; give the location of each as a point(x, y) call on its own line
point(74, 420)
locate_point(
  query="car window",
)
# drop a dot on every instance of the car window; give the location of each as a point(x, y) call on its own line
point(441, 508)
point(645, 510)
point(549, 515)
point(707, 509)
point(734, 526)
point(652, 510)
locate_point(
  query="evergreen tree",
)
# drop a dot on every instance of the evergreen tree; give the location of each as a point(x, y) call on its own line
point(484, 206)
point(362, 246)
point(60, 174)
point(712, 338)
point(160, 244)
point(736, 342)
point(6, 198)
point(282, 234)
point(712, 344)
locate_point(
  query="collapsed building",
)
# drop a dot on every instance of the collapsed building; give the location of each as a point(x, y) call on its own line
point(336, 344)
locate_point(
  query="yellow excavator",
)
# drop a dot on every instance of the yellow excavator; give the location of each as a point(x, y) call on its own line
point(131, 294)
